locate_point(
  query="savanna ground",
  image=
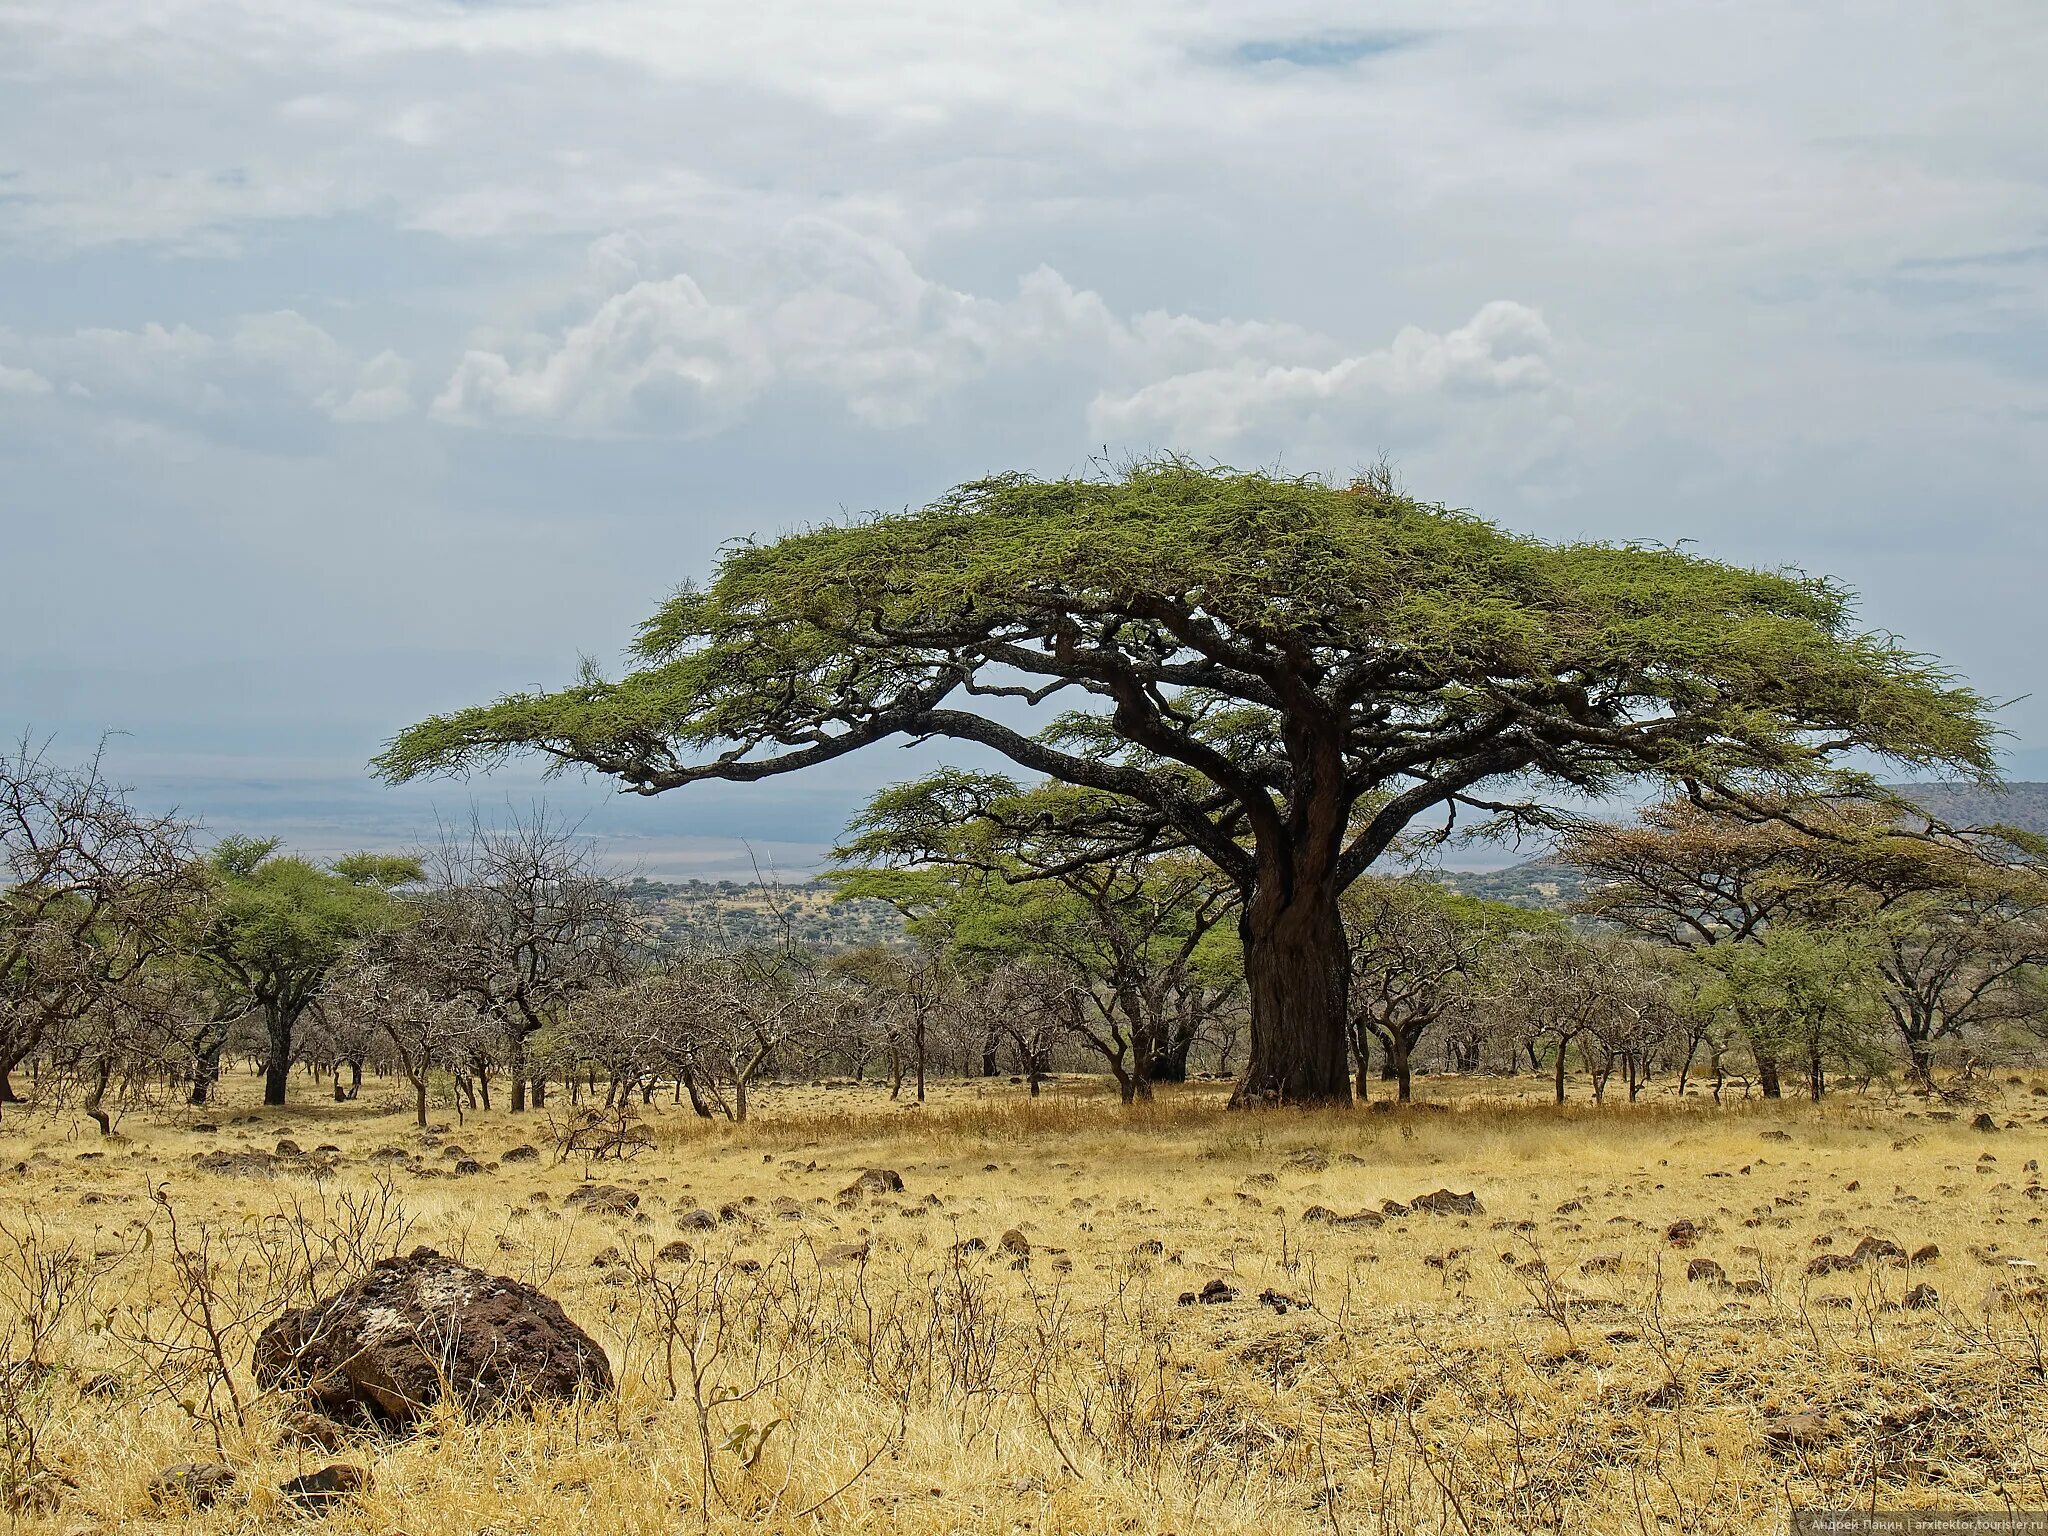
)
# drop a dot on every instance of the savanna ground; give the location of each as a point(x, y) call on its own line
point(902, 1362)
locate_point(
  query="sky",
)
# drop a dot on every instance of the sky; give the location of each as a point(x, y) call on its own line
point(362, 359)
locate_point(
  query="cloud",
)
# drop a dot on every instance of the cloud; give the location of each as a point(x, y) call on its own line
point(22, 381)
point(262, 364)
point(1504, 348)
point(849, 316)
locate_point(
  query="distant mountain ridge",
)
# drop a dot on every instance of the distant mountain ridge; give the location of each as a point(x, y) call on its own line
point(1547, 885)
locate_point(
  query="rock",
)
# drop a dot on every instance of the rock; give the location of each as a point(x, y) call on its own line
point(391, 1155)
point(1830, 1263)
point(697, 1220)
point(521, 1154)
point(677, 1252)
point(1983, 1122)
point(289, 1148)
point(468, 1166)
point(1923, 1296)
point(454, 1150)
point(1150, 1248)
point(1682, 1233)
point(604, 1199)
point(875, 1181)
point(379, 1353)
point(1309, 1159)
point(1442, 1202)
point(197, 1484)
point(1390, 1209)
point(1602, 1264)
point(329, 1486)
point(1705, 1272)
point(1926, 1253)
point(1878, 1250)
point(1215, 1293)
point(1775, 1136)
point(1015, 1243)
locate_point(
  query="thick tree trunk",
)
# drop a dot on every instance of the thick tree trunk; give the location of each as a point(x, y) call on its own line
point(1404, 1075)
point(278, 1069)
point(1170, 1065)
point(1767, 1075)
point(518, 1044)
point(1296, 971)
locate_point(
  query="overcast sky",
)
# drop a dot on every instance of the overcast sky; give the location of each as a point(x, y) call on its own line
point(366, 358)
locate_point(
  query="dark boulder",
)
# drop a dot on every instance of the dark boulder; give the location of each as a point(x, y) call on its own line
point(380, 1353)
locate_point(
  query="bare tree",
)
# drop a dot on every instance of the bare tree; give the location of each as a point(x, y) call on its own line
point(95, 894)
point(519, 921)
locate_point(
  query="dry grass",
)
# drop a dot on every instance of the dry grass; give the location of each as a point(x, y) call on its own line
point(1528, 1368)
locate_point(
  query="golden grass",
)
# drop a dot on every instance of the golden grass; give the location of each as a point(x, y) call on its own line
point(1523, 1369)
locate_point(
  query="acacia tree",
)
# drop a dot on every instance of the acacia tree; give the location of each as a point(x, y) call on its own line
point(277, 925)
point(1416, 948)
point(994, 875)
point(1258, 657)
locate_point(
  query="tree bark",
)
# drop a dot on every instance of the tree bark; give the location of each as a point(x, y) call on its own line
point(1767, 1075)
point(1297, 971)
point(277, 1070)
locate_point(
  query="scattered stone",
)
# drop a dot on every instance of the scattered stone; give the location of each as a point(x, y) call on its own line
point(1775, 1136)
point(1926, 1253)
point(1215, 1293)
point(876, 1181)
point(1682, 1233)
point(381, 1352)
point(677, 1252)
point(198, 1484)
point(1923, 1296)
point(467, 1166)
point(697, 1220)
point(327, 1487)
point(521, 1154)
point(1015, 1243)
point(604, 1199)
point(289, 1148)
point(1442, 1202)
point(454, 1150)
point(1984, 1122)
point(1878, 1250)
point(1705, 1272)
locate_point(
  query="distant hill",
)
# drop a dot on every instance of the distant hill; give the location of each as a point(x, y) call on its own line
point(1548, 885)
point(729, 914)
point(1970, 805)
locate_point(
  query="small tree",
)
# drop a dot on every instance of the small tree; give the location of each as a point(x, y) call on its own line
point(93, 895)
point(1416, 947)
point(275, 928)
point(1810, 994)
point(518, 921)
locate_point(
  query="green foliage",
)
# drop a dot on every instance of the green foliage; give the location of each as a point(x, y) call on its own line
point(1205, 611)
